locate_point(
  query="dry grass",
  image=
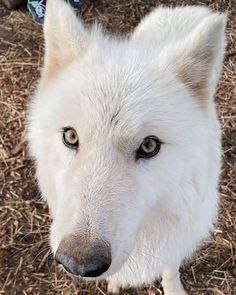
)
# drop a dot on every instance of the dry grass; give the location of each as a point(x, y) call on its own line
point(25, 264)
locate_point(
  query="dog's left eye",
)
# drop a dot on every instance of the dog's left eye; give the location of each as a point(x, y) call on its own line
point(149, 147)
point(70, 138)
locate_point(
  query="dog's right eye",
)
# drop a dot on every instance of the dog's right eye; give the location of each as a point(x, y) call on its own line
point(70, 138)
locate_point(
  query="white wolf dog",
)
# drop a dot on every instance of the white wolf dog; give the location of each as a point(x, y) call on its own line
point(126, 141)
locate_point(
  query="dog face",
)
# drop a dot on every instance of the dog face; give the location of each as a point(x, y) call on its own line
point(114, 126)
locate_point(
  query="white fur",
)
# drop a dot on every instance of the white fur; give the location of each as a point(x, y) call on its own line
point(155, 212)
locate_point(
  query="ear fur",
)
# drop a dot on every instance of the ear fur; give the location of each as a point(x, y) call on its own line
point(65, 37)
point(197, 60)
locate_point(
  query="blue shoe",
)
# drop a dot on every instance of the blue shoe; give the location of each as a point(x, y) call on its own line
point(75, 3)
point(37, 9)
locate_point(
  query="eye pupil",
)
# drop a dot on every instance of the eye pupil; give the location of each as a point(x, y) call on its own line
point(149, 145)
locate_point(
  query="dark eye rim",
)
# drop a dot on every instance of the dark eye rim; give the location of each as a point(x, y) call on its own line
point(140, 154)
point(74, 146)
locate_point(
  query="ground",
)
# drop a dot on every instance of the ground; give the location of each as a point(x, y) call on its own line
point(26, 266)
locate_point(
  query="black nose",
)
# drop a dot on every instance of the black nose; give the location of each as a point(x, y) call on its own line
point(83, 255)
point(93, 268)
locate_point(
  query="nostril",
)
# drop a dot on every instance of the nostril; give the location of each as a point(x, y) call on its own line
point(92, 268)
point(96, 268)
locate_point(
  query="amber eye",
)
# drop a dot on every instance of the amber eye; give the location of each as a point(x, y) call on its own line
point(149, 147)
point(70, 138)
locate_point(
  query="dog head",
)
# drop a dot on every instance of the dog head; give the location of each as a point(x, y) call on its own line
point(115, 126)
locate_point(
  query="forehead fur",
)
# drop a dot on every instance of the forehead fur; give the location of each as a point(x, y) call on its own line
point(110, 72)
point(133, 96)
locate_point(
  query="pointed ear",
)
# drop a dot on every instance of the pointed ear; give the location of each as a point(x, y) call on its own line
point(197, 61)
point(65, 37)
